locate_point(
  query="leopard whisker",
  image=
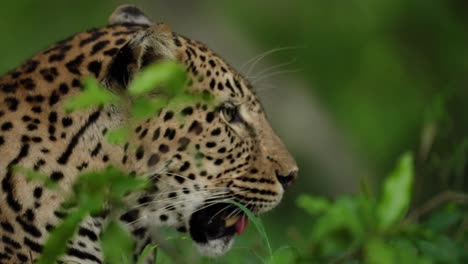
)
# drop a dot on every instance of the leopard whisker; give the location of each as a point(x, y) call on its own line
point(271, 69)
point(226, 198)
point(239, 210)
point(199, 209)
point(217, 181)
point(261, 78)
point(187, 197)
point(159, 211)
point(256, 59)
point(165, 209)
point(220, 211)
point(180, 190)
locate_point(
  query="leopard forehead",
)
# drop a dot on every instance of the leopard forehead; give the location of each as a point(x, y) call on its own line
point(193, 155)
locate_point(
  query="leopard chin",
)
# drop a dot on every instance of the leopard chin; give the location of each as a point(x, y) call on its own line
point(215, 248)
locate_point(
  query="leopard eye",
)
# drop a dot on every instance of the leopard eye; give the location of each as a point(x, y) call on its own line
point(231, 113)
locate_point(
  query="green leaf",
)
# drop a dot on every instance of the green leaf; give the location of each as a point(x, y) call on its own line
point(56, 243)
point(442, 220)
point(367, 212)
point(151, 248)
point(257, 222)
point(143, 108)
point(92, 191)
point(313, 205)
point(441, 249)
point(342, 216)
point(406, 252)
point(118, 136)
point(182, 100)
point(93, 94)
point(167, 77)
point(34, 176)
point(379, 252)
point(109, 185)
point(125, 184)
point(396, 195)
point(116, 244)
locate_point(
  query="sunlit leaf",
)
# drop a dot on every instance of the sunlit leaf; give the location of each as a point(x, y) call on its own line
point(110, 182)
point(143, 107)
point(93, 94)
point(35, 176)
point(167, 77)
point(118, 136)
point(182, 100)
point(396, 196)
point(125, 184)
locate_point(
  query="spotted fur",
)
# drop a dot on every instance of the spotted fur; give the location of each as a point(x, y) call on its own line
point(239, 155)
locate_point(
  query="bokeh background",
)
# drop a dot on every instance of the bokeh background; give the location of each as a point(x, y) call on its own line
point(348, 85)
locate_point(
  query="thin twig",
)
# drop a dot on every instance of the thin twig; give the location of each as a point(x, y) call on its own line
point(435, 202)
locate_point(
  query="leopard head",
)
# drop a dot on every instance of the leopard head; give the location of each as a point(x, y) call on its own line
point(205, 153)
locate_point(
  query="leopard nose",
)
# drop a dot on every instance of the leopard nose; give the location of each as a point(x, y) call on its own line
point(288, 179)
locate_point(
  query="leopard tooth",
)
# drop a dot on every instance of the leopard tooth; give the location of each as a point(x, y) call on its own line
point(231, 220)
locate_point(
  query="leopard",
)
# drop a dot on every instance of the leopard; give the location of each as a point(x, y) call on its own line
point(239, 156)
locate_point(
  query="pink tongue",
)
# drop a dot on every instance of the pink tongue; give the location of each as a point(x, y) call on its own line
point(241, 225)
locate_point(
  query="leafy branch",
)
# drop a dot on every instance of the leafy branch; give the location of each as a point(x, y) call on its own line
point(363, 229)
point(156, 87)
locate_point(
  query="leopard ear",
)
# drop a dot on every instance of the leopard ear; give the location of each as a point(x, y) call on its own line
point(128, 14)
point(149, 46)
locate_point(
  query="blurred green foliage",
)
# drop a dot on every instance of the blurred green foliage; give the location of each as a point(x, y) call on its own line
point(93, 193)
point(365, 229)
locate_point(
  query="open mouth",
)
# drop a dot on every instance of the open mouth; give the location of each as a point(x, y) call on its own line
point(216, 225)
